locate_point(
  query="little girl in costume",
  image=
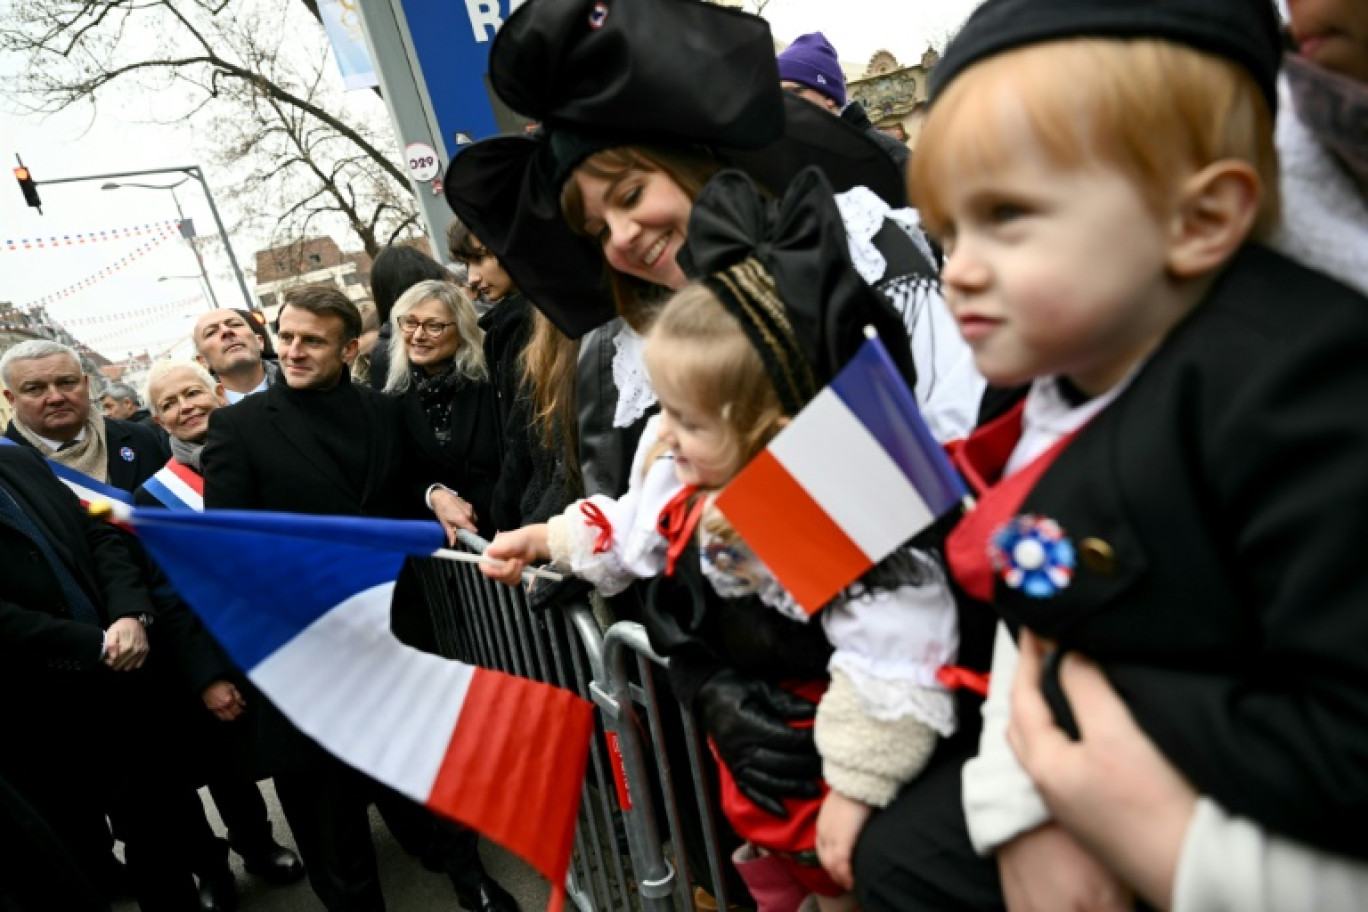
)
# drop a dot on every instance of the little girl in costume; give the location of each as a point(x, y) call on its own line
point(732, 358)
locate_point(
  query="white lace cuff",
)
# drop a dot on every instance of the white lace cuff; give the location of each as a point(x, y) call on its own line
point(572, 540)
point(635, 395)
point(889, 691)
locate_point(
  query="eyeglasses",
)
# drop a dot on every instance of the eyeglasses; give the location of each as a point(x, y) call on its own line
point(429, 327)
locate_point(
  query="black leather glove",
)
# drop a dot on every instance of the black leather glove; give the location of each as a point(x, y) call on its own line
point(747, 720)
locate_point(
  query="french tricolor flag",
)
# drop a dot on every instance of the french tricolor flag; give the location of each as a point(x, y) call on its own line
point(853, 477)
point(87, 489)
point(304, 610)
point(176, 486)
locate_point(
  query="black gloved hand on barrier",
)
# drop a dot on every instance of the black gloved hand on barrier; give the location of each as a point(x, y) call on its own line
point(748, 721)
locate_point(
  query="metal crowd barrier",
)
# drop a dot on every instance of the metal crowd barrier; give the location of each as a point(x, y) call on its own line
point(623, 859)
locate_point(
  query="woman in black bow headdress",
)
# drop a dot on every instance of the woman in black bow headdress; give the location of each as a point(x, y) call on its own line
point(733, 356)
point(632, 128)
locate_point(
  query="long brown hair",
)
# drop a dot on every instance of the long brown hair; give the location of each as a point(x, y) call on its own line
point(548, 365)
point(691, 168)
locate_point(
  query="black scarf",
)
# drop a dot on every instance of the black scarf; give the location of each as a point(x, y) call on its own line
point(1334, 108)
point(435, 394)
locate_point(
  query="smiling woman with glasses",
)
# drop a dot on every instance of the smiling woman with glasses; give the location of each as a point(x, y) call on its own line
point(437, 362)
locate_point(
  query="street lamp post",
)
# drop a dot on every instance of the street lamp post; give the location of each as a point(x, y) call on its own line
point(201, 279)
point(190, 171)
point(204, 273)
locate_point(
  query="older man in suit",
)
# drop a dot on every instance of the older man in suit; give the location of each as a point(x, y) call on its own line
point(53, 413)
point(320, 444)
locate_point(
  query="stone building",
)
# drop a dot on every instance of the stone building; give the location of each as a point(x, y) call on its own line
point(310, 261)
point(894, 96)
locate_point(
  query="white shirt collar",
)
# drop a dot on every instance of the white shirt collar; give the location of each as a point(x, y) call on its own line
point(55, 445)
point(232, 396)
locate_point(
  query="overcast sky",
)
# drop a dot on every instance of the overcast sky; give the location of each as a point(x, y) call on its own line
point(122, 136)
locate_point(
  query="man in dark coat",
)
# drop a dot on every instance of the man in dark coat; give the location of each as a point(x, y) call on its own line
point(50, 395)
point(809, 69)
point(319, 444)
point(79, 710)
point(52, 412)
point(120, 400)
point(228, 346)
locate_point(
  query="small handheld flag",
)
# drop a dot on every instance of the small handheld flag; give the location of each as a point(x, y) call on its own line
point(853, 477)
point(304, 610)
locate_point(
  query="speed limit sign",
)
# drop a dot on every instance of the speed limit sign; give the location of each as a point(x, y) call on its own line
point(422, 161)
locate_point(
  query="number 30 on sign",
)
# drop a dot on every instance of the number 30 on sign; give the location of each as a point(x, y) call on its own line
point(422, 161)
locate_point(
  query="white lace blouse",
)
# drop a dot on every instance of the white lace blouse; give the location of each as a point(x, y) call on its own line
point(890, 644)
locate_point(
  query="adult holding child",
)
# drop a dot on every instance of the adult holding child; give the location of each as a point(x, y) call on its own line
point(1323, 167)
point(1177, 703)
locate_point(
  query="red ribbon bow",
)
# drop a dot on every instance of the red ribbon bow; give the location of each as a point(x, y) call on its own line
point(677, 522)
point(956, 677)
point(593, 516)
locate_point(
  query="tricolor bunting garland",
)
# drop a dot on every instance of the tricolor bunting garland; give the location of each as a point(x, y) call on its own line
point(853, 477)
point(306, 613)
point(15, 245)
point(124, 261)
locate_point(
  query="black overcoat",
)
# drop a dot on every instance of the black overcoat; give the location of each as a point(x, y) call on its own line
point(1220, 509)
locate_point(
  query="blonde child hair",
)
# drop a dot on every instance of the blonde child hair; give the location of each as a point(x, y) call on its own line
point(1155, 109)
point(697, 352)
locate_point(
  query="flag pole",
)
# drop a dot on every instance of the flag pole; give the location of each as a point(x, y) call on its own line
point(467, 557)
point(967, 501)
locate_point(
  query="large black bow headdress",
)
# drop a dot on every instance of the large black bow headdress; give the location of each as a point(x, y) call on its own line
point(738, 238)
point(600, 73)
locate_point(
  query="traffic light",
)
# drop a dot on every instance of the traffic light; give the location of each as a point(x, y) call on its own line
point(27, 185)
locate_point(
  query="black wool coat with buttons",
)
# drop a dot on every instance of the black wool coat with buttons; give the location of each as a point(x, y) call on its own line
point(1223, 499)
point(56, 699)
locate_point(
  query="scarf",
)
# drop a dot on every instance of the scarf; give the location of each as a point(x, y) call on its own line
point(89, 457)
point(435, 392)
point(1334, 108)
point(1324, 211)
point(187, 453)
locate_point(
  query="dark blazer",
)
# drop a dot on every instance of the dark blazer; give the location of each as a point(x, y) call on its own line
point(55, 695)
point(469, 462)
point(36, 628)
point(1220, 509)
point(134, 454)
point(260, 455)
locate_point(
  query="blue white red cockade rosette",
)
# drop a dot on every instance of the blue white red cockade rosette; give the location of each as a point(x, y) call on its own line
point(1032, 553)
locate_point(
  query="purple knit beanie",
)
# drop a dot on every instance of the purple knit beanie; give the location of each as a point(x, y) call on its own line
point(811, 61)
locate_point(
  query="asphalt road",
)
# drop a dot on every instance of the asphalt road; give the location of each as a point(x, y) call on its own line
point(409, 887)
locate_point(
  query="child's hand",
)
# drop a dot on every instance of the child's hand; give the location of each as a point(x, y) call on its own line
point(516, 549)
point(838, 826)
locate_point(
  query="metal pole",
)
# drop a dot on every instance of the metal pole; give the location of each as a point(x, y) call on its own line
point(204, 273)
point(410, 112)
point(90, 177)
point(195, 172)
